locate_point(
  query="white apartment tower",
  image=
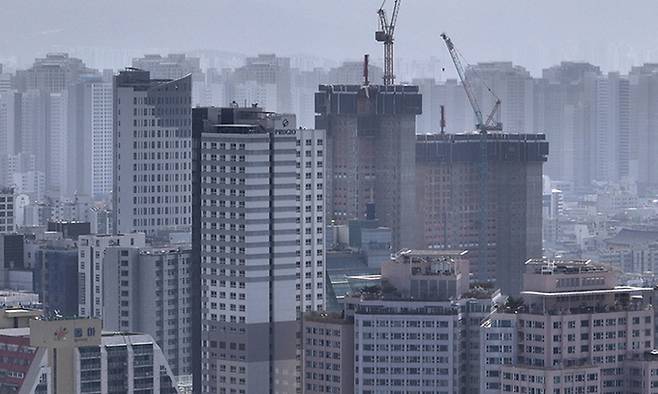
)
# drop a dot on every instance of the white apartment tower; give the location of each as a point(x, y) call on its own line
point(91, 252)
point(90, 152)
point(152, 158)
point(258, 229)
point(101, 103)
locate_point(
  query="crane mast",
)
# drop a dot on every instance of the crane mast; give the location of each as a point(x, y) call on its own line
point(385, 34)
point(483, 125)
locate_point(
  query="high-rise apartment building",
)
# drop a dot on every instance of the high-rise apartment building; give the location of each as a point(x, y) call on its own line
point(172, 66)
point(450, 94)
point(5, 80)
point(152, 140)
point(611, 135)
point(644, 125)
point(567, 118)
point(370, 154)
point(56, 276)
point(57, 145)
point(89, 168)
point(91, 252)
point(572, 331)
point(264, 80)
point(10, 113)
point(258, 235)
point(52, 74)
point(44, 122)
point(351, 73)
point(492, 208)
point(513, 85)
point(148, 290)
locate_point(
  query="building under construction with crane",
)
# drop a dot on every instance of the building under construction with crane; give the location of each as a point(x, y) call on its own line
point(495, 215)
point(482, 191)
point(370, 151)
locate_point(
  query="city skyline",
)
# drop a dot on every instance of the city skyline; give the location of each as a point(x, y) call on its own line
point(221, 197)
point(519, 29)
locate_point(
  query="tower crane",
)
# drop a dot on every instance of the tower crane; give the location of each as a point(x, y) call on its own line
point(483, 125)
point(385, 34)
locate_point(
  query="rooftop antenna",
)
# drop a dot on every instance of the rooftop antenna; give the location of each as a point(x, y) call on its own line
point(366, 60)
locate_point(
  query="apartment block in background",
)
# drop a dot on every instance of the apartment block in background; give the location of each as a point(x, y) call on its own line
point(152, 156)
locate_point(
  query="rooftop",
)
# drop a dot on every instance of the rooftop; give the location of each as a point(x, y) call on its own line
point(326, 317)
point(552, 267)
point(634, 236)
point(616, 290)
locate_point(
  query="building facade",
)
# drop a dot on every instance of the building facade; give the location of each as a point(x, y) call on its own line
point(152, 136)
point(492, 206)
point(91, 252)
point(370, 154)
point(259, 197)
point(572, 331)
point(148, 290)
point(56, 276)
point(90, 117)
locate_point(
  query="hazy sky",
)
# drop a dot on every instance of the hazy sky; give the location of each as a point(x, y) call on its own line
point(532, 33)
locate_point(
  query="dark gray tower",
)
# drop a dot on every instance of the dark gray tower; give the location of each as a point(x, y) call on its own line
point(371, 154)
point(450, 203)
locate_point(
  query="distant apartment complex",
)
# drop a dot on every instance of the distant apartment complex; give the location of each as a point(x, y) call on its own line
point(152, 156)
point(90, 122)
point(258, 235)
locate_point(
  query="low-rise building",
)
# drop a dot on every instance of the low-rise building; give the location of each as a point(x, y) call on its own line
point(414, 333)
point(74, 356)
point(573, 330)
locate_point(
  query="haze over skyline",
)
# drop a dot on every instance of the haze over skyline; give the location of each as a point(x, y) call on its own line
point(607, 33)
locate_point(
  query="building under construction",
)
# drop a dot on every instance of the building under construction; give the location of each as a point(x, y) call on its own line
point(496, 218)
point(370, 154)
